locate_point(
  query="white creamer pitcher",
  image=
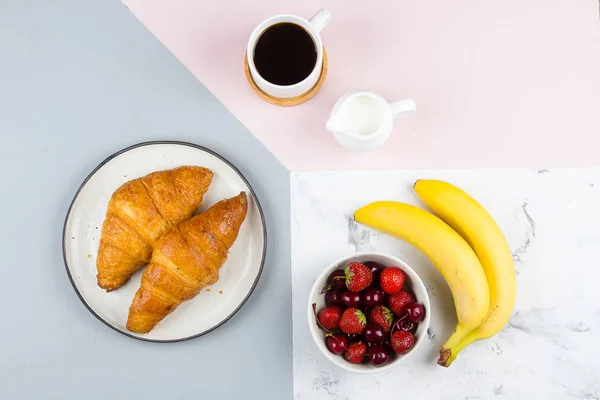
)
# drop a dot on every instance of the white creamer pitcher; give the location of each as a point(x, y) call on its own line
point(362, 121)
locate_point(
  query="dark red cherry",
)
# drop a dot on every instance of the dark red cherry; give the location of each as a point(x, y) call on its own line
point(351, 299)
point(337, 279)
point(337, 343)
point(415, 312)
point(374, 333)
point(405, 325)
point(334, 297)
point(354, 337)
point(371, 297)
point(380, 355)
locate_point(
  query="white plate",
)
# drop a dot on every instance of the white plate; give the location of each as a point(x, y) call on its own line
point(81, 234)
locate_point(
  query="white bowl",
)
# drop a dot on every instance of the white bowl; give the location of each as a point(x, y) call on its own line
point(315, 296)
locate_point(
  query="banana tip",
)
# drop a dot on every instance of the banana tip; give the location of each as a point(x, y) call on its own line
point(444, 357)
point(415, 184)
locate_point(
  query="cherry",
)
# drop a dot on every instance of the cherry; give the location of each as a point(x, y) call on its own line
point(372, 297)
point(337, 343)
point(337, 279)
point(405, 325)
point(374, 333)
point(379, 355)
point(376, 269)
point(334, 297)
point(351, 299)
point(354, 337)
point(415, 312)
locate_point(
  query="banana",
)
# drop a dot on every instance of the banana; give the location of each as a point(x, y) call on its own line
point(467, 217)
point(445, 248)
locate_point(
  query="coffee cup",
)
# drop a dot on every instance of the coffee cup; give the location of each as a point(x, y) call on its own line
point(285, 54)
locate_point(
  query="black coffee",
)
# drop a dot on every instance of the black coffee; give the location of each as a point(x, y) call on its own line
point(285, 54)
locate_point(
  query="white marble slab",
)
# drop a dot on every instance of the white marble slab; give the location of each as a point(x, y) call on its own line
point(551, 347)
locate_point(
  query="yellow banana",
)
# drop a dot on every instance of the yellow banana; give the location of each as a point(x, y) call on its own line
point(467, 217)
point(445, 248)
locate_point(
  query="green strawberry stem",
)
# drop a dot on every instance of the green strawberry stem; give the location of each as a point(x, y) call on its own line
point(362, 318)
point(349, 275)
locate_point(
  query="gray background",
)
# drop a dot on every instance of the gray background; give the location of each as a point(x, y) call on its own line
point(79, 80)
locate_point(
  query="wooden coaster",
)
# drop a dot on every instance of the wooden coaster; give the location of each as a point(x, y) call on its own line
point(291, 101)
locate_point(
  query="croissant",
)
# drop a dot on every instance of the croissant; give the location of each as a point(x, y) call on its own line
point(185, 260)
point(139, 213)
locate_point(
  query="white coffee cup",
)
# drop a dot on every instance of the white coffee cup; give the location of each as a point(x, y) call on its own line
point(313, 26)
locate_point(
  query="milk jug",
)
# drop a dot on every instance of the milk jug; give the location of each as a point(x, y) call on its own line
point(362, 121)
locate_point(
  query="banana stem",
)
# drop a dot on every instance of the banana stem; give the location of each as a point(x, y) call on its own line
point(453, 346)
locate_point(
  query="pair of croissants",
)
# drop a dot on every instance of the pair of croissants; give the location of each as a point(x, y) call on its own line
point(149, 220)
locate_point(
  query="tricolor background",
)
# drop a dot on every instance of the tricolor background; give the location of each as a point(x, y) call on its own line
point(508, 96)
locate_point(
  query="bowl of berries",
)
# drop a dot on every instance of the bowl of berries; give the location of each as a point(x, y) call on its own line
point(368, 311)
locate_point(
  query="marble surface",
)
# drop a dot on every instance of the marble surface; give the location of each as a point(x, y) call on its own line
point(550, 347)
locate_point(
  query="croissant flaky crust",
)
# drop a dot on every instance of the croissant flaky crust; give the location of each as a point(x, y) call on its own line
point(139, 213)
point(185, 260)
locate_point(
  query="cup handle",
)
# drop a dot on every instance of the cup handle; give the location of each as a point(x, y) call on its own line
point(402, 106)
point(320, 19)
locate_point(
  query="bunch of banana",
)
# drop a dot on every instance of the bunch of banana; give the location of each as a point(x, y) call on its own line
point(468, 248)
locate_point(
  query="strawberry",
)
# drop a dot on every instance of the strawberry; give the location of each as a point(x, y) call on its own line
point(329, 317)
point(383, 316)
point(391, 280)
point(358, 276)
point(398, 301)
point(356, 352)
point(402, 342)
point(353, 321)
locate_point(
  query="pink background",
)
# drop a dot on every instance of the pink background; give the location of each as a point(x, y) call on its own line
point(497, 83)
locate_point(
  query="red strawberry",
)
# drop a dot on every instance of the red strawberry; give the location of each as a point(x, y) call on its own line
point(353, 321)
point(329, 317)
point(356, 352)
point(402, 342)
point(391, 280)
point(383, 316)
point(358, 276)
point(398, 301)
